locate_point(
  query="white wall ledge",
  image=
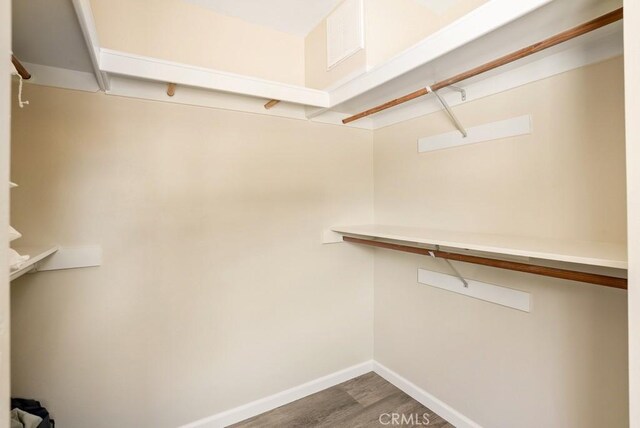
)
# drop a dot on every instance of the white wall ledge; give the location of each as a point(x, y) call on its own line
point(127, 64)
point(603, 254)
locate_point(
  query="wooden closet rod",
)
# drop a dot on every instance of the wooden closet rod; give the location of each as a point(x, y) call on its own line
point(21, 69)
point(591, 278)
point(271, 104)
point(581, 29)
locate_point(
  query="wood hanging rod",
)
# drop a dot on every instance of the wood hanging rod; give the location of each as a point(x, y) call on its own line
point(581, 29)
point(171, 89)
point(271, 104)
point(22, 71)
point(591, 278)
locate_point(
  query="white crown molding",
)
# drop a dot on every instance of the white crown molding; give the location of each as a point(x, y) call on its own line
point(138, 66)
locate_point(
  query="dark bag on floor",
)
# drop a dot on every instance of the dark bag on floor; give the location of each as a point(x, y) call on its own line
point(35, 408)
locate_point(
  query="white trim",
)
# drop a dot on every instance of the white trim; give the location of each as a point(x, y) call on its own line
point(157, 91)
point(480, 21)
point(503, 296)
point(513, 127)
point(315, 112)
point(88, 26)
point(632, 111)
point(127, 64)
point(72, 258)
point(271, 402)
point(6, 101)
point(61, 78)
point(331, 237)
point(347, 78)
point(257, 407)
point(443, 410)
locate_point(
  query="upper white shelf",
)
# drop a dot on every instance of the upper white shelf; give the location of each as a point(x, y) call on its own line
point(141, 67)
point(438, 63)
point(491, 16)
point(37, 255)
point(495, 28)
point(603, 254)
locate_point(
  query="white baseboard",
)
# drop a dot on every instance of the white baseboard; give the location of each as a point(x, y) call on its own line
point(257, 407)
point(438, 406)
point(271, 402)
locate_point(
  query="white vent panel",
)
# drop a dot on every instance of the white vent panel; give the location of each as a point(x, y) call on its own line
point(345, 32)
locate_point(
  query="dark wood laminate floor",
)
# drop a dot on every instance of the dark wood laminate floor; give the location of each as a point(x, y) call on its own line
point(357, 403)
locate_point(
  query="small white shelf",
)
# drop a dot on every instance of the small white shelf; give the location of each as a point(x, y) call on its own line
point(604, 254)
point(37, 254)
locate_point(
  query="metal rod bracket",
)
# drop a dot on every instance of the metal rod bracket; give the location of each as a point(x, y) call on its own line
point(449, 112)
point(455, 271)
point(464, 281)
point(463, 92)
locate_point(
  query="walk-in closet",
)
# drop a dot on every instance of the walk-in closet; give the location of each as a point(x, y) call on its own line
point(320, 213)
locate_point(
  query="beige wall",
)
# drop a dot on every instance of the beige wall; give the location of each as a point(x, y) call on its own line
point(206, 39)
point(565, 363)
point(395, 25)
point(632, 84)
point(215, 289)
point(5, 111)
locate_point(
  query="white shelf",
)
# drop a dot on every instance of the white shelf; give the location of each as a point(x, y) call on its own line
point(495, 28)
point(604, 254)
point(604, 43)
point(37, 254)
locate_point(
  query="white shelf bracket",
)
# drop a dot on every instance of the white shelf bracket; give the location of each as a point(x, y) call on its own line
point(449, 111)
point(455, 271)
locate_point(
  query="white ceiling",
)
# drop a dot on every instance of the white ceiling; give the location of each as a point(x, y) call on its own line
point(296, 17)
point(47, 32)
